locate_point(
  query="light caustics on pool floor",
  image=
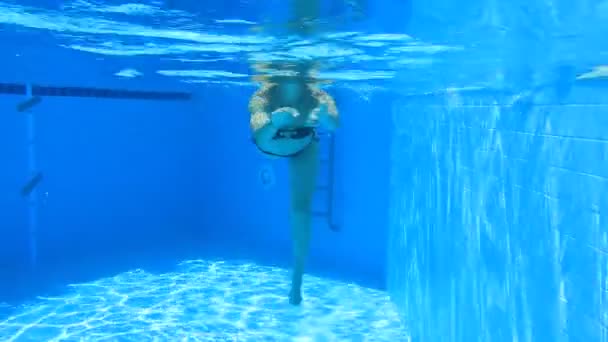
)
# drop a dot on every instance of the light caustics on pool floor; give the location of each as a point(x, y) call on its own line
point(207, 301)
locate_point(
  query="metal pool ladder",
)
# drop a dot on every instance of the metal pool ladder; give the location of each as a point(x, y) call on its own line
point(326, 184)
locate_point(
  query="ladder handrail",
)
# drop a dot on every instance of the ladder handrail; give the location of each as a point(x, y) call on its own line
point(330, 195)
point(329, 211)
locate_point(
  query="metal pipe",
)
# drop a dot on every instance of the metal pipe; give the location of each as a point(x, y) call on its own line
point(33, 193)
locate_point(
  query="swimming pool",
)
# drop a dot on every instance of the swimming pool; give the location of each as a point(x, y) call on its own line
point(463, 199)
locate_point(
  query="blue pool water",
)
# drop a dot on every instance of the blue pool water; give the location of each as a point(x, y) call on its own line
point(462, 199)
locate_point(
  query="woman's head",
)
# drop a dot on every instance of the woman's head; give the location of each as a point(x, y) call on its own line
point(291, 90)
point(290, 80)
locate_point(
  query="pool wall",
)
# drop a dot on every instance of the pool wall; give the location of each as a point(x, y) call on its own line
point(498, 227)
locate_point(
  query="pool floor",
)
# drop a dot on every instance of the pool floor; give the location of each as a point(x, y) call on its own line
point(205, 300)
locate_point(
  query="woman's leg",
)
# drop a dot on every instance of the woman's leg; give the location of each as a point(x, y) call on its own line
point(302, 181)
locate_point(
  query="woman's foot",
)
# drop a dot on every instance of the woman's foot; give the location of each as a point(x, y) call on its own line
point(295, 296)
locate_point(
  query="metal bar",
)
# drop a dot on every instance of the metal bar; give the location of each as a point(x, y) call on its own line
point(12, 88)
point(42, 90)
point(33, 192)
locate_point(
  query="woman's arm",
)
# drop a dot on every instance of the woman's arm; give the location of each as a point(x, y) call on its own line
point(258, 108)
point(326, 111)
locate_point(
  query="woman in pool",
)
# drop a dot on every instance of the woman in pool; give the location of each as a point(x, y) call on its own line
point(285, 114)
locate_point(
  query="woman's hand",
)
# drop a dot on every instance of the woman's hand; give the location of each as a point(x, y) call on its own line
point(320, 117)
point(284, 117)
